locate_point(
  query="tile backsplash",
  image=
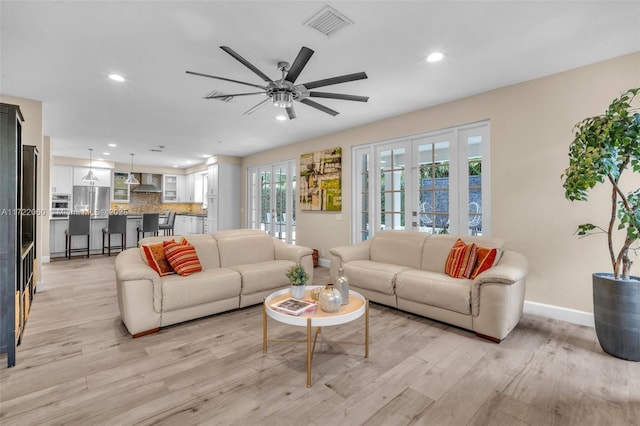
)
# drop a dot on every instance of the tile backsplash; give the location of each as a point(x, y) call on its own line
point(152, 203)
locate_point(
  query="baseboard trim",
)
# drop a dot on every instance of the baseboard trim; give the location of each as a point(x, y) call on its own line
point(46, 259)
point(556, 312)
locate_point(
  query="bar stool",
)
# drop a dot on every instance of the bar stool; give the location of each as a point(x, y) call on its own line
point(167, 227)
point(116, 224)
point(79, 224)
point(149, 224)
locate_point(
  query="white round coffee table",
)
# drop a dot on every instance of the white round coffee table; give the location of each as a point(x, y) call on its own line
point(356, 308)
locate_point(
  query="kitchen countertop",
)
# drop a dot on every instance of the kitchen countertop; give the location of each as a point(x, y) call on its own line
point(136, 216)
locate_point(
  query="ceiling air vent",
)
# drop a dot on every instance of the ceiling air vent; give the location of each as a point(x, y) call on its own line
point(328, 21)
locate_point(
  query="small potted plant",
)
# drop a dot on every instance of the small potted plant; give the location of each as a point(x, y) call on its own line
point(604, 148)
point(298, 277)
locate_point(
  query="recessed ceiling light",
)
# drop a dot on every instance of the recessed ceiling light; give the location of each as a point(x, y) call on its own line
point(281, 117)
point(113, 145)
point(106, 153)
point(175, 165)
point(435, 57)
point(206, 155)
point(116, 77)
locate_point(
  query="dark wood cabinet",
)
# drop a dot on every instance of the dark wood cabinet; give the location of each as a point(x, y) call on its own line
point(18, 227)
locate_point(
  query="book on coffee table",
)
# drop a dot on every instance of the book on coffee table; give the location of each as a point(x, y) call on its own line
point(295, 307)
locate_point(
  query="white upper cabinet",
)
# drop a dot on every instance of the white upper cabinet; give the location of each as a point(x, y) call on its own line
point(173, 189)
point(62, 180)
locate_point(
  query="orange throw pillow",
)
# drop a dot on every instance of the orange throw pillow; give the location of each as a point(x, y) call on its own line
point(486, 259)
point(182, 257)
point(461, 260)
point(154, 255)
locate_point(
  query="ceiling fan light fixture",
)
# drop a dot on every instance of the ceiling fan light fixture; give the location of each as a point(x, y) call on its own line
point(283, 99)
point(435, 57)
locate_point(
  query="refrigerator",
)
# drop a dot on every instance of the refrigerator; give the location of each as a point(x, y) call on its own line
point(93, 199)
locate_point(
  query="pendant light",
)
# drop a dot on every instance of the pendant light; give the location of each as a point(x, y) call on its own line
point(90, 177)
point(131, 180)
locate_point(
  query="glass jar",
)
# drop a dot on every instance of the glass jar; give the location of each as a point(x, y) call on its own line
point(330, 299)
point(342, 283)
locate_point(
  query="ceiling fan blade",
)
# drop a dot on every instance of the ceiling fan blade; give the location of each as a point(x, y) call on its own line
point(226, 79)
point(256, 107)
point(339, 96)
point(298, 64)
point(316, 105)
point(246, 63)
point(335, 80)
point(232, 95)
point(291, 113)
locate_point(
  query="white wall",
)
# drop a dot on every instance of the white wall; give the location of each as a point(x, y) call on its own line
point(531, 128)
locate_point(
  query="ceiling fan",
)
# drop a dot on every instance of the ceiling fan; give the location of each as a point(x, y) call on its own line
point(284, 91)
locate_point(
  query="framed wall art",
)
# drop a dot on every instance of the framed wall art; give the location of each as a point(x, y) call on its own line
point(321, 180)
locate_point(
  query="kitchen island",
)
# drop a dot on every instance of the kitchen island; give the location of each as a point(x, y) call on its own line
point(186, 223)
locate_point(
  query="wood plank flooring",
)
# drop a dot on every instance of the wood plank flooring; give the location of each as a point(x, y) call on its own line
point(77, 365)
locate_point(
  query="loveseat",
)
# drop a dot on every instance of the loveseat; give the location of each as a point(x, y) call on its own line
point(406, 270)
point(239, 268)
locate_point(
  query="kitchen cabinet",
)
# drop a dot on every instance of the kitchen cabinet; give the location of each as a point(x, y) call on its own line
point(62, 180)
point(189, 190)
point(103, 175)
point(188, 224)
point(173, 189)
point(223, 197)
point(119, 188)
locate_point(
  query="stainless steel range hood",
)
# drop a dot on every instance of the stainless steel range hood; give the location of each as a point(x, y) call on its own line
point(146, 184)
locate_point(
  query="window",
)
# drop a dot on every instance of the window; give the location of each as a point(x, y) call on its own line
point(272, 199)
point(435, 182)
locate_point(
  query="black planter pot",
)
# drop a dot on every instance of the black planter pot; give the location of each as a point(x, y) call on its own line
point(616, 310)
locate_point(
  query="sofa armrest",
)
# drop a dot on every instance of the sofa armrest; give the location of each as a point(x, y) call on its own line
point(130, 266)
point(298, 254)
point(284, 251)
point(512, 268)
point(343, 254)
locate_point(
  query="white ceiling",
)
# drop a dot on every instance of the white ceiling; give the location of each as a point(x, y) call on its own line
point(62, 52)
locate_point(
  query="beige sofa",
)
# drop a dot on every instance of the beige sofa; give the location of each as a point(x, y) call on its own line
point(240, 268)
point(406, 270)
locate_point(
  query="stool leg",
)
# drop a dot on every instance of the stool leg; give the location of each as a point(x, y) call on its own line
point(109, 243)
point(88, 245)
point(103, 243)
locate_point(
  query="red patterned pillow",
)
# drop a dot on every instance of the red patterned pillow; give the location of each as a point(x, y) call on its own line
point(182, 257)
point(154, 255)
point(486, 259)
point(461, 260)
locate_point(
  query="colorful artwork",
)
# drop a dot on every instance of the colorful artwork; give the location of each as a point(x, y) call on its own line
point(321, 180)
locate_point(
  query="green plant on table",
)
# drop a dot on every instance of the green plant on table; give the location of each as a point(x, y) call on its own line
point(604, 148)
point(297, 275)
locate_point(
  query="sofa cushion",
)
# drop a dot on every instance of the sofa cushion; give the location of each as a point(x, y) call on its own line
point(153, 255)
point(372, 275)
point(182, 257)
point(262, 276)
point(436, 289)
point(204, 287)
point(242, 248)
point(206, 249)
point(461, 260)
point(398, 248)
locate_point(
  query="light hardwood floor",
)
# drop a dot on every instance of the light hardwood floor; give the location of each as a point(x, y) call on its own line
point(77, 365)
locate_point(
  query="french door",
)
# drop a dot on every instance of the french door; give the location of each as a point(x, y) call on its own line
point(436, 182)
point(272, 199)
